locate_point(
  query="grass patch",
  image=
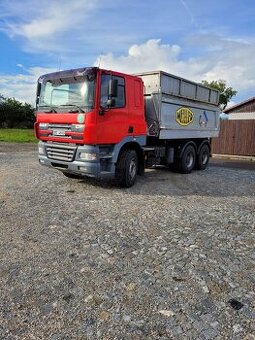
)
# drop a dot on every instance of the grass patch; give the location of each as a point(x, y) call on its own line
point(17, 136)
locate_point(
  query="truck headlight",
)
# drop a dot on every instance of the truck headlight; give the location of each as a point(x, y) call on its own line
point(85, 156)
point(41, 150)
point(77, 127)
point(43, 126)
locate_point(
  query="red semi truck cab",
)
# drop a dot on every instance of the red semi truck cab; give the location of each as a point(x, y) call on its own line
point(85, 117)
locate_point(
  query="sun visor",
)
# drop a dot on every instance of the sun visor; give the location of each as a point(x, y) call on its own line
point(79, 73)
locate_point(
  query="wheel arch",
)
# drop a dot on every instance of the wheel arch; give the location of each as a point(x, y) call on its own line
point(132, 145)
point(184, 145)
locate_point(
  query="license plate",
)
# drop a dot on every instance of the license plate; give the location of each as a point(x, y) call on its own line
point(58, 133)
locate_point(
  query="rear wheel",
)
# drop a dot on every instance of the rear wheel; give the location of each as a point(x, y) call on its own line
point(203, 157)
point(126, 168)
point(187, 161)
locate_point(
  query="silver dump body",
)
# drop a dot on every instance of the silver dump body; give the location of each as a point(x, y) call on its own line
point(177, 108)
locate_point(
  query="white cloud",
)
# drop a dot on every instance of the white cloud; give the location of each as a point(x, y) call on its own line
point(52, 19)
point(226, 59)
point(22, 86)
point(145, 57)
point(84, 28)
point(231, 60)
point(44, 26)
point(49, 19)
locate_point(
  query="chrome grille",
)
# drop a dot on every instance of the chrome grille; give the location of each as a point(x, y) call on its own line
point(63, 152)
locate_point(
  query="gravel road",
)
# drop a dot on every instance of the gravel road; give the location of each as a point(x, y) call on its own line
point(171, 258)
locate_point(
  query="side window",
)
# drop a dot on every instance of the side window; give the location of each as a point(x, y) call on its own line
point(104, 90)
point(120, 99)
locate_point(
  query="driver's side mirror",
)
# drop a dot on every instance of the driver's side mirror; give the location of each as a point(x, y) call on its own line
point(112, 94)
point(38, 91)
point(113, 88)
point(111, 102)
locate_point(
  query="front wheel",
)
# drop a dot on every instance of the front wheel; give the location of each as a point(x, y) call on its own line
point(126, 169)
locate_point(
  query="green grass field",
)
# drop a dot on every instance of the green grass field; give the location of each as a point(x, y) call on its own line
point(17, 136)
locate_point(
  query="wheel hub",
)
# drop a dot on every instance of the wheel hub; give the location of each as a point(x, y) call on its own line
point(189, 159)
point(204, 158)
point(132, 169)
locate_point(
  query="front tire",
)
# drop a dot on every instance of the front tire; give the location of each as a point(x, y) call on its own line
point(126, 169)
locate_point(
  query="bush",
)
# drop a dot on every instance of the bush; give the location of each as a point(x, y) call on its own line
point(13, 114)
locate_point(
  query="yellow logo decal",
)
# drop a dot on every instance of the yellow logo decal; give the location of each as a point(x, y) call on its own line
point(184, 116)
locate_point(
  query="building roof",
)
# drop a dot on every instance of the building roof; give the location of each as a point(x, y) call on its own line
point(241, 116)
point(239, 104)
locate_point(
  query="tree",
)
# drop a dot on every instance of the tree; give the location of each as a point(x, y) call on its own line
point(226, 93)
point(14, 113)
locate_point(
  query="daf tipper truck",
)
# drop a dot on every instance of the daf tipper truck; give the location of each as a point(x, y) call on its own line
point(100, 123)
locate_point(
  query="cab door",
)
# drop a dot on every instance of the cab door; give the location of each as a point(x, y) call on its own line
point(112, 121)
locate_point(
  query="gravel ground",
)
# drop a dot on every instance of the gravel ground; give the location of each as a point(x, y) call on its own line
point(171, 258)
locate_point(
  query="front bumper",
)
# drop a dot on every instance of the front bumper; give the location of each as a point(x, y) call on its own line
point(53, 155)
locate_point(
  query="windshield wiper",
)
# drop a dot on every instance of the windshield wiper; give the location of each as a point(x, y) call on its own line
point(74, 105)
point(52, 110)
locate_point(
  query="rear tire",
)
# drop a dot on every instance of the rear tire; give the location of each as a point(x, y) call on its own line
point(187, 161)
point(126, 169)
point(203, 157)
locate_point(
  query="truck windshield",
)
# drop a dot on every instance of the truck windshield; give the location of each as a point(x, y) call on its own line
point(73, 92)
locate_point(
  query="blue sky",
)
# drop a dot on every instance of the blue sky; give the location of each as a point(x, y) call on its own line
point(195, 39)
